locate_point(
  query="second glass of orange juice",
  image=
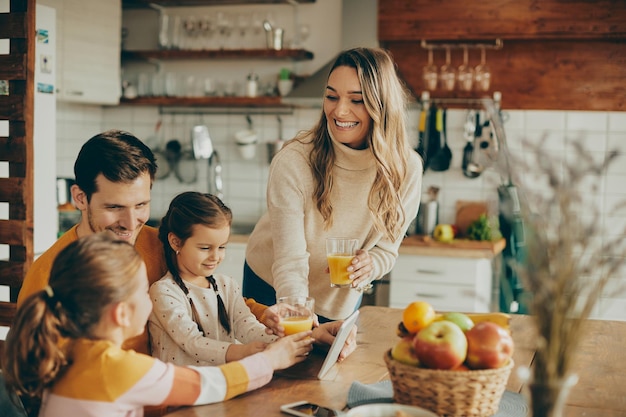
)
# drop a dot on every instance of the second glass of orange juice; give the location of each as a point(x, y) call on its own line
point(296, 313)
point(339, 252)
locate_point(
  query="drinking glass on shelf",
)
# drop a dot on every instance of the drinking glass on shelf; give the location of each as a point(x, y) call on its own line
point(244, 22)
point(465, 73)
point(447, 75)
point(257, 31)
point(225, 26)
point(304, 31)
point(190, 31)
point(482, 74)
point(429, 73)
point(296, 313)
point(164, 31)
point(206, 31)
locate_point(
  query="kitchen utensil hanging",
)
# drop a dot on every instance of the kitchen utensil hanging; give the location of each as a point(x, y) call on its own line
point(181, 162)
point(421, 136)
point(154, 142)
point(276, 145)
point(441, 159)
point(204, 149)
point(433, 138)
point(470, 169)
point(173, 158)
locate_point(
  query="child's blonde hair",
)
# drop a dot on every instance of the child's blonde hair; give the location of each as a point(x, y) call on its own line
point(86, 277)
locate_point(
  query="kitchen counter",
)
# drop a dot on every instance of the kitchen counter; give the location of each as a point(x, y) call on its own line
point(420, 245)
point(458, 248)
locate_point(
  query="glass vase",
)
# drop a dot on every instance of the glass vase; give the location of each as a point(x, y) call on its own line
point(548, 399)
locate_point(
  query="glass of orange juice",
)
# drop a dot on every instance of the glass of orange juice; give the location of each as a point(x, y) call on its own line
point(296, 313)
point(339, 252)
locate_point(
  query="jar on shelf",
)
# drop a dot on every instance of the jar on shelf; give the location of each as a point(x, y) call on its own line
point(252, 85)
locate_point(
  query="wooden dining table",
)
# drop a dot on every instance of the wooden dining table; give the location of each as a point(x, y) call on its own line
point(600, 363)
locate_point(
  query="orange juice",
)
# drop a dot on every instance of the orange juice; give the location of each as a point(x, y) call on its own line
point(338, 265)
point(297, 324)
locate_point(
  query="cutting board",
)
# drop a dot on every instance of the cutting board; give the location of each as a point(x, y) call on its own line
point(467, 212)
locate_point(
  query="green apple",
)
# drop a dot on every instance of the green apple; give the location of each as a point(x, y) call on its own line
point(403, 352)
point(460, 319)
point(444, 233)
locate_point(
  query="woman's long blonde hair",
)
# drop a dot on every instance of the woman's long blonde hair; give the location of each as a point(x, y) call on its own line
point(385, 99)
point(87, 276)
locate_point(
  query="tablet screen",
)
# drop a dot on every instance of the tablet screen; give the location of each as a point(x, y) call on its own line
point(340, 339)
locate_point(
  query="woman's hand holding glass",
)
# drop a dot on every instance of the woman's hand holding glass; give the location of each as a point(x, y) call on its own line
point(361, 270)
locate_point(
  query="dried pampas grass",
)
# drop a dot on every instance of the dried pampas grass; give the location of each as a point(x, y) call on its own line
point(569, 259)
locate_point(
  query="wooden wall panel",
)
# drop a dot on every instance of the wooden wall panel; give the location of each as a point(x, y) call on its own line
point(511, 19)
point(548, 75)
point(18, 26)
point(557, 54)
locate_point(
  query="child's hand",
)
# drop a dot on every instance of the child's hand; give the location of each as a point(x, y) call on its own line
point(271, 319)
point(326, 332)
point(237, 352)
point(289, 350)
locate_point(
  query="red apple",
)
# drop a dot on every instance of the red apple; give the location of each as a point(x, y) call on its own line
point(489, 346)
point(403, 352)
point(441, 345)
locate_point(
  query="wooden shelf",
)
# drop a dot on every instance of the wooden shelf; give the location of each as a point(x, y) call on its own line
point(142, 4)
point(264, 101)
point(175, 54)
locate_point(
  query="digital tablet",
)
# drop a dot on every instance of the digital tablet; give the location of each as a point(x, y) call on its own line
point(335, 348)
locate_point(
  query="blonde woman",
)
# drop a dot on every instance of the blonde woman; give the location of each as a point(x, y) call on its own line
point(353, 175)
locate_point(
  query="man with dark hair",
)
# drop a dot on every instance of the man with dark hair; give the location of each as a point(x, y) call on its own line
point(114, 173)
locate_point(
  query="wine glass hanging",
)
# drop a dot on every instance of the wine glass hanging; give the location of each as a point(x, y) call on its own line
point(464, 78)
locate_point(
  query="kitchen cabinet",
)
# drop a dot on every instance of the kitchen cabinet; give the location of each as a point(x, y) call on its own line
point(448, 284)
point(88, 52)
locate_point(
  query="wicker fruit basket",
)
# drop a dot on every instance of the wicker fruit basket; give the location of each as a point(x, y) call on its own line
point(449, 393)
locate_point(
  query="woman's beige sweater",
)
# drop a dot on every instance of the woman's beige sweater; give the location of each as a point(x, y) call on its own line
point(287, 247)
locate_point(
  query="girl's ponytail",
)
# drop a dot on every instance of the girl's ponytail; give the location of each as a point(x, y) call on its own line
point(34, 355)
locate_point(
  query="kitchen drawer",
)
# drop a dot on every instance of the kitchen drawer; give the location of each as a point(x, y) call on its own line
point(441, 297)
point(439, 270)
point(448, 284)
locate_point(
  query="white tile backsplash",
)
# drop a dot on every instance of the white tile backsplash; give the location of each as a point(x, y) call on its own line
point(244, 180)
point(587, 121)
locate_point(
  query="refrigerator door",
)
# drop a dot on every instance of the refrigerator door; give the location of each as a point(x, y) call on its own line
point(46, 221)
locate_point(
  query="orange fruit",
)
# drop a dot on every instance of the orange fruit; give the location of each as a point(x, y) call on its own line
point(418, 315)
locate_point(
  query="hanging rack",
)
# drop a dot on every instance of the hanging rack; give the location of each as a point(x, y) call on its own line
point(496, 44)
point(426, 100)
